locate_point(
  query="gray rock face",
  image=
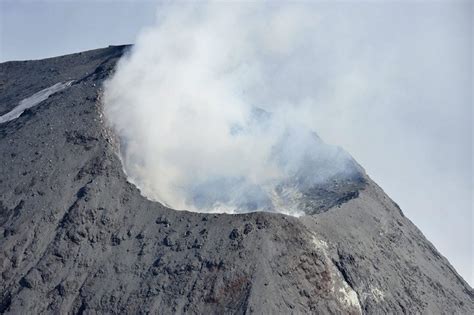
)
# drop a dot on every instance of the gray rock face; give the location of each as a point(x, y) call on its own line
point(76, 237)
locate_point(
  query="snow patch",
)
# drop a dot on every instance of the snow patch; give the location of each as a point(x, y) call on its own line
point(377, 294)
point(320, 244)
point(34, 100)
point(349, 296)
point(345, 294)
point(373, 293)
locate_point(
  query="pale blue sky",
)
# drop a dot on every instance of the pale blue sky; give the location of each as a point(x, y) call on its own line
point(39, 29)
point(417, 146)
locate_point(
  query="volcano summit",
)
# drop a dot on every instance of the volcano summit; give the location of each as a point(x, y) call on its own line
point(77, 237)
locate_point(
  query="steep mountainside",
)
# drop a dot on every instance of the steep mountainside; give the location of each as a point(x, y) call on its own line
point(76, 237)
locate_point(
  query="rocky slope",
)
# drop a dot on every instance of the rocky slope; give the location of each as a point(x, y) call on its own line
point(76, 237)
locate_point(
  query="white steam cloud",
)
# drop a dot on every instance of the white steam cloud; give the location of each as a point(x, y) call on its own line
point(390, 81)
point(215, 108)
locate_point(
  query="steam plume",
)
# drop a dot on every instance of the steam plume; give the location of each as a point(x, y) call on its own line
point(215, 109)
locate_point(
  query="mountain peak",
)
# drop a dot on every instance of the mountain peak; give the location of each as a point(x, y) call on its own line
point(77, 236)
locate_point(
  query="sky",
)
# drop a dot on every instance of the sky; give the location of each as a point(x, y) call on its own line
point(398, 92)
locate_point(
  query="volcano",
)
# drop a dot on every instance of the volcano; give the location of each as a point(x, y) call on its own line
point(77, 237)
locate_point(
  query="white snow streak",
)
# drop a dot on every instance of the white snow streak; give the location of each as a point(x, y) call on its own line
point(345, 294)
point(34, 100)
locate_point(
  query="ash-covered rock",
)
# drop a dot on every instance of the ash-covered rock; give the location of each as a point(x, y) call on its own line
point(77, 237)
